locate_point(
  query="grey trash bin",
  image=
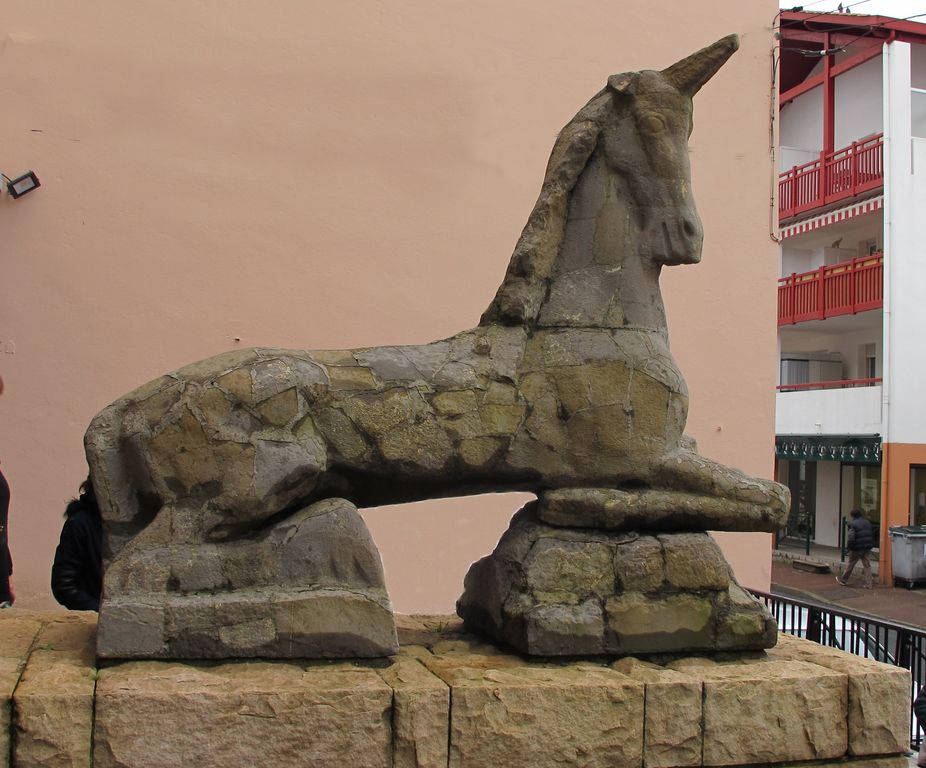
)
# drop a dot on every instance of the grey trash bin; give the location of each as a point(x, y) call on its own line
point(908, 545)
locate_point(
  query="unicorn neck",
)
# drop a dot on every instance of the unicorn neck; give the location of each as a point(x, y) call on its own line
point(600, 278)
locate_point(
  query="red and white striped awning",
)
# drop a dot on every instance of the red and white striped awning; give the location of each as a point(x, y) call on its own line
point(831, 217)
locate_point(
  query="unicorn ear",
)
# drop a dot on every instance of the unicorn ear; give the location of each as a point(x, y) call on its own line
point(624, 83)
point(689, 74)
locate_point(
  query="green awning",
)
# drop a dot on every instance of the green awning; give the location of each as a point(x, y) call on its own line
point(851, 449)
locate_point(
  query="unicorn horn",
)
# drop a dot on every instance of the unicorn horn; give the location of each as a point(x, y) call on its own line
point(689, 74)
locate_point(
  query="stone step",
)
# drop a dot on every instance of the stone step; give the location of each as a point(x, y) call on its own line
point(810, 567)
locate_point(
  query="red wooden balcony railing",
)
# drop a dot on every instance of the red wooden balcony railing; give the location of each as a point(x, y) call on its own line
point(833, 177)
point(839, 289)
point(837, 384)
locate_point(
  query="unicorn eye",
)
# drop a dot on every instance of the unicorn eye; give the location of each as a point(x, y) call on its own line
point(653, 123)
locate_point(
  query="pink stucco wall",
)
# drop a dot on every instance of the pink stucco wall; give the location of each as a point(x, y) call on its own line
point(328, 175)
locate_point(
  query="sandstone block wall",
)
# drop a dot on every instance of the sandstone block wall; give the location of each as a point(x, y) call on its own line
point(446, 700)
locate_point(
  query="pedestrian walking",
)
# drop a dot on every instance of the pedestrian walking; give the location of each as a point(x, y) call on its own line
point(861, 542)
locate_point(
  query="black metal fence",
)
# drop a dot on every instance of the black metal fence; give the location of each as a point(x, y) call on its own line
point(883, 641)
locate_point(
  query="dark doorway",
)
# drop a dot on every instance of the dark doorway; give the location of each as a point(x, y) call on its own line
point(802, 482)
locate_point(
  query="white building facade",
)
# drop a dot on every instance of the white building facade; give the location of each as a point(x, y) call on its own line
point(850, 411)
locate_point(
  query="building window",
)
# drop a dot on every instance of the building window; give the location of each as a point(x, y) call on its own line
point(918, 112)
point(918, 495)
point(869, 361)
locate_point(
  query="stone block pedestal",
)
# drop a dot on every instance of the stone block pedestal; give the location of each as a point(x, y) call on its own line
point(447, 699)
point(550, 590)
point(311, 586)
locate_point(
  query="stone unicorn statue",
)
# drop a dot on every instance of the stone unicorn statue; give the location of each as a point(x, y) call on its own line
point(566, 383)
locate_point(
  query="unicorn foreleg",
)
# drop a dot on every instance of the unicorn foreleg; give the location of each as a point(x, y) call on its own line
point(687, 471)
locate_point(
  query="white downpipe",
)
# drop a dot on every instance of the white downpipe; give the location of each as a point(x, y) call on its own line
point(887, 144)
point(890, 211)
point(900, 222)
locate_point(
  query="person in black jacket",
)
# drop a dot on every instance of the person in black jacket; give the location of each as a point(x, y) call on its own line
point(861, 542)
point(919, 709)
point(6, 561)
point(77, 573)
point(7, 596)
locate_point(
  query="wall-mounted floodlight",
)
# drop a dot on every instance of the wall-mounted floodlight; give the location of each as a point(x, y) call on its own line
point(21, 185)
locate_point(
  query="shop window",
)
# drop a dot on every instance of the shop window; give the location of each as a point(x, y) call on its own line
point(862, 490)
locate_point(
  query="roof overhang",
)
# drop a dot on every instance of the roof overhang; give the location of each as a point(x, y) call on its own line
point(805, 38)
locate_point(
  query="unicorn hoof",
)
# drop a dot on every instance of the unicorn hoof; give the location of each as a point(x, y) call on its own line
point(686, 471)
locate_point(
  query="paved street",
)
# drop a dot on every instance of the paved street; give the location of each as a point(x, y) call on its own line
point(905, 606)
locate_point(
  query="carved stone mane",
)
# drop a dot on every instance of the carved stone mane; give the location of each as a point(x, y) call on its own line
point(521, 293)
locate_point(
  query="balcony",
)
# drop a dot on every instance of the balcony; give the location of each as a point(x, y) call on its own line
point(834, 177)
point(828, 408)
point(846, 288)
